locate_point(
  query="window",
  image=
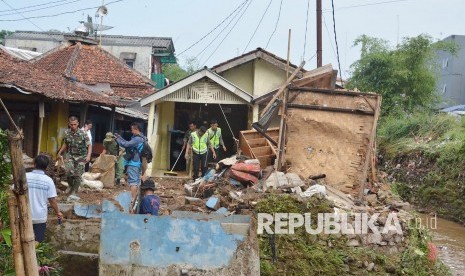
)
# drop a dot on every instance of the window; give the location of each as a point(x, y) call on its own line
point(130, 62)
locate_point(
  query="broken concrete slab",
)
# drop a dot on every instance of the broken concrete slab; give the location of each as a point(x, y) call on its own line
point(213, 203)
point(222, 211)
point(88, 210)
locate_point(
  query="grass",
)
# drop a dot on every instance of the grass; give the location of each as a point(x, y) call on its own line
point(436, 144)
point(305, 254)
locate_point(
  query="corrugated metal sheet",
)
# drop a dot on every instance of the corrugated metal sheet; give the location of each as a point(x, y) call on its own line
point(20, 53)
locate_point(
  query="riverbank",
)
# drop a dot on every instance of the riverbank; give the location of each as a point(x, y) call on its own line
point(304, 254)
point(423, 156)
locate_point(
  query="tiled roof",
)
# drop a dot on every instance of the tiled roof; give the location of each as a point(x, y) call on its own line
point(121, 40)
point(90, 64)
point(22, 75)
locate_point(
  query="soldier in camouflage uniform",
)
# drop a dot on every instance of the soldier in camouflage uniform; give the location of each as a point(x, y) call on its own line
point(79, 148)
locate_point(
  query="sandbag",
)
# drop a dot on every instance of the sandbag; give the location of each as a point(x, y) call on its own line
point(248, 168)
point(91, 176)
point(92, 184)
point(243, 176)
point(105, 165)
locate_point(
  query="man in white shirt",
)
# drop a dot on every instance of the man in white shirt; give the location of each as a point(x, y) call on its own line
point(86, 128)
point(41, 189)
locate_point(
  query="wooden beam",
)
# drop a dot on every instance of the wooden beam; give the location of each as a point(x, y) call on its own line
point(20, 188)
point(368, 155)
point(41, 123)
point(264, 134)
point(329, 91)
point(15, 238)
point(281, 89)
point(332, 109)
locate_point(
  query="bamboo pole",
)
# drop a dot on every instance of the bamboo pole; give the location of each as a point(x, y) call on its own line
point(20, 188)
point(15, 239)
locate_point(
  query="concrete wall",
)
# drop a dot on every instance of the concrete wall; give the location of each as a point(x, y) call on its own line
point(242, 76)
point(451, 82)
point(55, 125)
point(41, 46)
point(160, 144)
point(267, 77)
point(165, 245)
point(143, 56)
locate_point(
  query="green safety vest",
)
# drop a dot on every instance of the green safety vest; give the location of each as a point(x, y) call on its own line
point(214, 137)
point(199, 145)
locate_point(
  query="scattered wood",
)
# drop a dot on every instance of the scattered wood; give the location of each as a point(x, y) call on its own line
point(317, 176)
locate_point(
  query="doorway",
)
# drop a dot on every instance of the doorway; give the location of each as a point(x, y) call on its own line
point(202, 114)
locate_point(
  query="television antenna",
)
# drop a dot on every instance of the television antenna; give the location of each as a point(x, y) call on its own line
point(101, 12)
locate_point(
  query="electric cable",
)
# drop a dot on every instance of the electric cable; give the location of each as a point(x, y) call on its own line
point(43, 8)
point(335, 39)
point(232, 28)
point(306, 25)
point(221, 23)
point(260, 22)
point(57, 14)
point(276, 25)
point(33, 6)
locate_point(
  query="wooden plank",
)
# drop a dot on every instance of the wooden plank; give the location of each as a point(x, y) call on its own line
point(266, 160)
point(261, 151)
point(282, 88)
point(245, 148)
point(332, 109)
point(368, 155)
point(259, 142)
point(329, 91)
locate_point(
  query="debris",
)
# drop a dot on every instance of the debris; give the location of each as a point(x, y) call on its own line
point(91, 176)
point(222, 211)
point(105, 164)
point(72, 198)
point(213, 203)
point(243, 177)
point(315, 189)
point(236, 196)
point(92, 184)
point(191, 200)
point(317, 176)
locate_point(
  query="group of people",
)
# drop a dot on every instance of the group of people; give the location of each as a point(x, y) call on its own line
point(199, 143)
point(77, 145)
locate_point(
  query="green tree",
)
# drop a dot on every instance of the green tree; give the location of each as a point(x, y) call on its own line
point(405, 76)
point(175, 72)
point(4, 33)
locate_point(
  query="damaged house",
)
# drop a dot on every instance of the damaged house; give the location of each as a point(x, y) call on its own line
point(82, 62)
point(40, 103)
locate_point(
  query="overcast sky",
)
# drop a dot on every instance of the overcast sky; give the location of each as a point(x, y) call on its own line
point(187, 21)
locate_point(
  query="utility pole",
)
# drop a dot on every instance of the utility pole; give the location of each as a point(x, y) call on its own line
point(319, 48)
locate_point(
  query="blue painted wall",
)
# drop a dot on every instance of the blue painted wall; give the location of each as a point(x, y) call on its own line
point(190, 239)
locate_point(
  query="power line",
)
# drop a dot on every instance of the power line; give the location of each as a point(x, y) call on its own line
point(335, 39)
point(276, 25)
point(369, 4)
point(38, 5)
point(329, 35)
point(217, 26)
point(306, 25)
point(267, 7)
point(43, 8)
point(232, 28)
point(199, 55)
point(58, 14)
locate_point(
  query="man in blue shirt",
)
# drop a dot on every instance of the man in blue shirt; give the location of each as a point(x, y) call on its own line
point(150, 203)
point(132, 158)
